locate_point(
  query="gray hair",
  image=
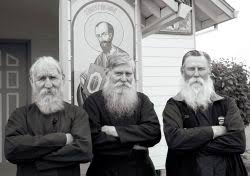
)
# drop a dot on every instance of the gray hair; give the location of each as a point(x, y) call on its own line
point(43, 61)
point(119, 59)
point(196, 53)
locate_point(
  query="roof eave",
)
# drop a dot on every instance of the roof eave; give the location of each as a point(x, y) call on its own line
point(227, 13)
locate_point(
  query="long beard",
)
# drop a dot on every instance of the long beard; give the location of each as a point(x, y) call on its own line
point(197, 92)
point(48, 101)
point(121, 99)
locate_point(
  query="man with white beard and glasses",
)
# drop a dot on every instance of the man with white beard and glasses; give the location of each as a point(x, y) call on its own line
point(204, 131)
point(48, 137)
point(123, 124)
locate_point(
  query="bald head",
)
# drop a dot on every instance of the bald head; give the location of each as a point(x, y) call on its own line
point(104, 26)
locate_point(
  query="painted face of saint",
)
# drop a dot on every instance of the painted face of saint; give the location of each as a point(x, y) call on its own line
point(104, 35)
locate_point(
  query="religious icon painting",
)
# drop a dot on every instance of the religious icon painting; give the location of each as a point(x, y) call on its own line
point(100, 29)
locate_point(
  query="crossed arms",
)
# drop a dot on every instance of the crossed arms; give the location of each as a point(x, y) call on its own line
point(229, 138)
point(48, 151)
point(120, 140)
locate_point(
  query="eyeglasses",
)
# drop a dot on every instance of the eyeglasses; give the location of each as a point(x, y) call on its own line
point(196, 70)
point(104, 34)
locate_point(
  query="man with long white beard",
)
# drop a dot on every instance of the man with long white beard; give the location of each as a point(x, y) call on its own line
point(104, 33)
point(204, 131)
point(48, 137)
point(123, 124)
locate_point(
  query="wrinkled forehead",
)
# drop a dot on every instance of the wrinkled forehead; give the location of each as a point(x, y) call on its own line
point(125, 67)
point(195, 61)
point(46, 70)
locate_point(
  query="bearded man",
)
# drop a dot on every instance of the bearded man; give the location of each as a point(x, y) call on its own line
point(123, 124)
point(105, 33)
point(204, 131)
point(48, 137)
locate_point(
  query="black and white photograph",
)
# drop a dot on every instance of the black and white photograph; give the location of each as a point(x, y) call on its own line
point(124, 88)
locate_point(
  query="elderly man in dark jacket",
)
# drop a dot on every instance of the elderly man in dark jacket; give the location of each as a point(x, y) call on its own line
point(49, 137)
point(123, 124)
point(204, 131)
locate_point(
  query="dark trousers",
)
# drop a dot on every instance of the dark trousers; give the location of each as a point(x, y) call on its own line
point(138, 163)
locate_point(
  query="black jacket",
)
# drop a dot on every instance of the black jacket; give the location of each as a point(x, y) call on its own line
point(192, 151)
point(36, 142)
point(115, 155)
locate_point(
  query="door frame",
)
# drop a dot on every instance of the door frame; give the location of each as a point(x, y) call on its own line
point(28, 54)
point(27, 44)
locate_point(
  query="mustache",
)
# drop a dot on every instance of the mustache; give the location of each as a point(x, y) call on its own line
point(197, 92)
point(45, 92)
point(126, 84)
point(105, 43)
point(196, 80)
point(121, 101)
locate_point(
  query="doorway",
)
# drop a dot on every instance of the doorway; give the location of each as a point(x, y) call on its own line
point(14, 87)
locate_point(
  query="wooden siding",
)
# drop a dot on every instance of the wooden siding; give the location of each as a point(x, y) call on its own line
point(161, 60)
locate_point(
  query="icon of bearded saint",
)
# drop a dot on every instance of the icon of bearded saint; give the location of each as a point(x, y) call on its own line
point(93, 80)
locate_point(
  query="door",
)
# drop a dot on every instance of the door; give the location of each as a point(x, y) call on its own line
point(14, 88)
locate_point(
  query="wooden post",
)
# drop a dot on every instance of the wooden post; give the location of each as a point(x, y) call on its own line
point(138, 38)
point(64, 46)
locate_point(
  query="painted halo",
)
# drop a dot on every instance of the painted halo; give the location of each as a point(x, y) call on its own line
point(93, 20)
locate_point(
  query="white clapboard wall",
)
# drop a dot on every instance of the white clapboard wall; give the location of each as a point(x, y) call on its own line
point(161, 60)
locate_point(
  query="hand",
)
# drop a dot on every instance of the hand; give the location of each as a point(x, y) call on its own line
point(109, 130)
point(219, 131)
point(83, 77)
point(69, 138)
